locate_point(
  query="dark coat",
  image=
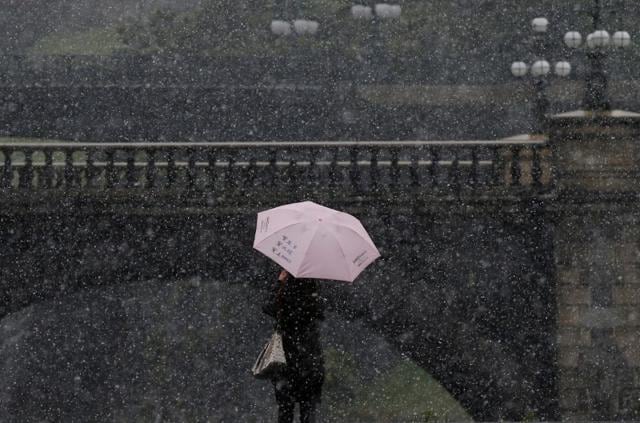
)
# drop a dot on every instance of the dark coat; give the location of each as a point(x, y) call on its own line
point(301, 310)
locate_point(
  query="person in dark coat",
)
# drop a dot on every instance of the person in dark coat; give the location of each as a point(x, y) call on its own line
point(297, 308)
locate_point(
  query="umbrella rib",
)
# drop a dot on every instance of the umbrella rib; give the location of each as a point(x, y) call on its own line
point(288, 225)
point(313, 237)
point(357, 233)
point(342, 251)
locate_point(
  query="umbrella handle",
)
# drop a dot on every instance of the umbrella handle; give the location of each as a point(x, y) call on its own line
point(282, 278)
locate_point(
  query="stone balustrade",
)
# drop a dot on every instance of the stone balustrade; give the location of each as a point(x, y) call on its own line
point(360, 167)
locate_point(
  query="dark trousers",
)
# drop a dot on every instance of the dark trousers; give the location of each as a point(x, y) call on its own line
point(307, 412)
point(286, 405)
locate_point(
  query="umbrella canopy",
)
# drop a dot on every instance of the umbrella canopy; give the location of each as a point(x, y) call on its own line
point(313, 241)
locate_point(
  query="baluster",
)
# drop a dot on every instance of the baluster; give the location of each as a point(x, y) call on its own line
point(273, 167)
point(171, 168)
point(37, 176)
point(394, 170)
point(152, 169)
point(291, 176)
point(48, 169)
point(434, 171)
point(497, 171)
point(68, 168)
point(333, 169)
point(230, 182)
point(548, 169)
point(192, 174)
point(211, 169)
point(414, 170)
point(110, 171)
point(374, 170)
point(131, 169)
point(454, 179)
point(251, 173)
point(313, 178)
point(516, 170)
point(536, 167)
point(354, 171)
point(475, 168)
point(26, 176)
point(7, 170)
point(90, 172)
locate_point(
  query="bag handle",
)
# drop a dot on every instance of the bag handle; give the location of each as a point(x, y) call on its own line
point(279, 296)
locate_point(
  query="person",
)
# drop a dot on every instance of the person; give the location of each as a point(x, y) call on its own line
point(297, 308)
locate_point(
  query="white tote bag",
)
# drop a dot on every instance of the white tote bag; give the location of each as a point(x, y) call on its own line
point(271, 359)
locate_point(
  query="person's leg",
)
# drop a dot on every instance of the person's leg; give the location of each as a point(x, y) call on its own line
point(285, 402)
point(285, 412)
point(307, 412)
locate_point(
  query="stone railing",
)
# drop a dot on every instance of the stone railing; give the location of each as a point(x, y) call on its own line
point(362, 167)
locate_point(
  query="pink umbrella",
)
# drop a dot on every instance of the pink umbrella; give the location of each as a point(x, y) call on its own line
point(313, 241)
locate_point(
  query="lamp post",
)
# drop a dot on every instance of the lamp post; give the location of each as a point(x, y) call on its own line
point(597, 45)
point(539, 71)
point(297, 26)
point(371, 63)
point(287, 26)
point(293, 27)
point(375, 14)
point(292, 24)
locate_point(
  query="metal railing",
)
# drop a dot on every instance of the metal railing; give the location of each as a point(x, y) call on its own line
point(225, 166)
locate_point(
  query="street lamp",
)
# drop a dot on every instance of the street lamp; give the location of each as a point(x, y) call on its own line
point(387, 11)
point(293, 30)
point(359, 11)
point(370, 57)
point(540, 24)
point(380, 10)
point(299, 26)
point(279, 27)
point(621, 39)
point(598, 42)
point(540, 70)
point(375, 14)
point(286, 26)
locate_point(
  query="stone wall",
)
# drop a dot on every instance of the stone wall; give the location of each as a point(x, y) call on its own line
point(597, 262)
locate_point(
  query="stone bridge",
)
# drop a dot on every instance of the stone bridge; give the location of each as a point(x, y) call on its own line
point(509, 267)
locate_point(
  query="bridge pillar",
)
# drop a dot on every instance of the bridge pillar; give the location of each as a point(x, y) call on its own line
point(597, 263)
